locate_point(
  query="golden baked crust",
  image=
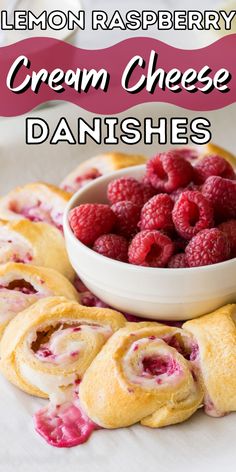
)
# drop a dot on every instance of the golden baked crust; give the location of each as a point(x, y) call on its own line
point(115, 392)
point(21, 285)
point(39, 243)
point(216, 337)
point(104, 163)
point(47, 202)
point(29, 330)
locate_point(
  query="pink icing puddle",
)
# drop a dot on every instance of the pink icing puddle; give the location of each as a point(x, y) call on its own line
point(64, 425)
point(160, 365)
point(20, 286)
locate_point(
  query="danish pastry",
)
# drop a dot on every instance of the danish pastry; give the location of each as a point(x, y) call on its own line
point(216, 361)
point(144, 373)
point(49, 346)
point(36, 202)
point(97, 166)
point(21, 285)
point(34, 243)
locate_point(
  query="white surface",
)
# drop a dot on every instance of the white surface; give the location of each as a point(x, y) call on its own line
point(160, 294)
point(202, 443)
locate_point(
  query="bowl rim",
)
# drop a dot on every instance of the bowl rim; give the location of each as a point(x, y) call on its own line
point(131, 267)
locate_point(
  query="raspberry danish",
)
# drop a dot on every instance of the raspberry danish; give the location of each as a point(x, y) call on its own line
point(34, 243)
point(144, 373)
point(35, 202)
point(21, 285)
point(97, 166)
point(49, 346)
point(216, 361)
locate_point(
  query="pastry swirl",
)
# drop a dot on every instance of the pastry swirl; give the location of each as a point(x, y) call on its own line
point(216, 361)
point(49, 346)
point(97, 166)
point(34, 243)
point(36, 202)
point(21, 285)
point(147, 368)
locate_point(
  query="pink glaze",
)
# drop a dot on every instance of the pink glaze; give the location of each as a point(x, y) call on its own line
point(89, 175)
point(64, 425)
point(38, 213)
point(74, 353)
point(160, 365)
point(190, 352)
point(44, 353)
point(28, 258)
point(33, 213)
point(82, 180)
point(195, 352)
point(210, 409)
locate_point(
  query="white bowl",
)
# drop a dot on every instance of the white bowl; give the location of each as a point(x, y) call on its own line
point(166, 294)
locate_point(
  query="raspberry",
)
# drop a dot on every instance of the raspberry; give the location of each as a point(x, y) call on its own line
point(112, 246)
point(176, 194)
point(192, 213)
point(180, 243)
point(128, 189)
point(91, 220)
point(229, 229)
point(167, 171)
point(178, 261)
point(222, 193)
point(150, 249)
point(127, 218)
point(213, 165)
point(210, 246)
point(157, 213)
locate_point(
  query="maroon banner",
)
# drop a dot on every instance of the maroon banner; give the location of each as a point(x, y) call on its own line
point(111, 80)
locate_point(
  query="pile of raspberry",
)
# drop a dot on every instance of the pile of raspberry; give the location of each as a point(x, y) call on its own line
point(178, 216)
